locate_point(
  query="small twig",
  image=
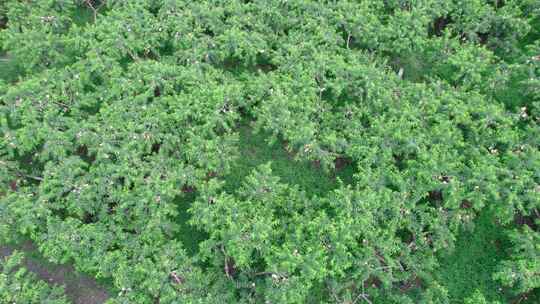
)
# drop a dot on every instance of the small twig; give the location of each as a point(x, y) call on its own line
point(61, 104)
point(521, 298)
point(264, 273)
point(19, 173)
point(91, 6)
point(30, 176)
point(383, 268)
point(131, 54)
point(229, 264)
point(366, 298)
point(178, 279)
point(363, 296)
point(401, 266)
point(380, 258)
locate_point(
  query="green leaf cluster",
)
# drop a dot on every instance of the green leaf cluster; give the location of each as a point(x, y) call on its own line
point(125, 111)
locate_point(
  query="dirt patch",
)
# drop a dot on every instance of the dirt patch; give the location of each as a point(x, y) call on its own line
point(188, 189)
point(413, 283)
point(372, 282)
point(341, 162)
point(79, 288)
point(466, 204)
point(291, 153)
point(529, 220)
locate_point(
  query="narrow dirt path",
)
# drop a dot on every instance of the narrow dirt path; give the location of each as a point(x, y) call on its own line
point(79, 288)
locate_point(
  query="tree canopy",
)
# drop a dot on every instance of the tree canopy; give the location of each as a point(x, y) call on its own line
point(125, 111)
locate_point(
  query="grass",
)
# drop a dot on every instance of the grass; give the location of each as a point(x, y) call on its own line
point(470, 266)
point(9, 71)
point(82, 15)
point(255, 151)
point(187, 234)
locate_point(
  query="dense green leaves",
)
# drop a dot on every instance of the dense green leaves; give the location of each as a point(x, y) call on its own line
point(127, 109)
point(522, 269)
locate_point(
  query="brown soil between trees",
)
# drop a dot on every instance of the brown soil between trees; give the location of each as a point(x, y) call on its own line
point(79, 288)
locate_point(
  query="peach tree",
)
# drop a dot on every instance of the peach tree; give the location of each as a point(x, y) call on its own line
point(124, 110)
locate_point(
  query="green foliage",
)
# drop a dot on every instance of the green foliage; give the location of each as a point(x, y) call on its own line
point(125, 147)
point(466, 272)
point(522, 268)
point(17, 285)
point(8, 70)
point(477, 298)
point(256, 150)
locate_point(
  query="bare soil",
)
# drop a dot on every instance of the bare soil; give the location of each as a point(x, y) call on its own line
point(79, 288)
